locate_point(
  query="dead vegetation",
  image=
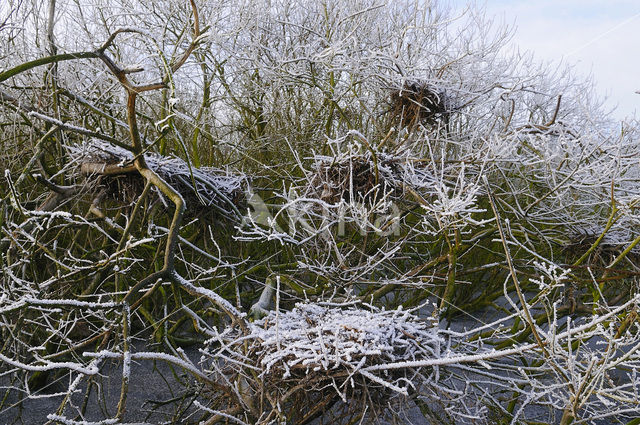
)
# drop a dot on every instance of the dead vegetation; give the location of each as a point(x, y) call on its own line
point(356, 178)
point(78, 291)
point(207, 191)
point(359, 172)
point(320, 359)
point(418, 102)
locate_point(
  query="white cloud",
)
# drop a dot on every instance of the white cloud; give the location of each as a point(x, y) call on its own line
point(599, 37)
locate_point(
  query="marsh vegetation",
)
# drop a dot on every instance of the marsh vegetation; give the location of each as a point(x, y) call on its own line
point(347, 208)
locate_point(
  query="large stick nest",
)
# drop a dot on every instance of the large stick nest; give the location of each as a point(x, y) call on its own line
point(420, 103)
point(325, 353)
point(206, 190)
point(365, 178)
point(356, 178)
point(316, 338)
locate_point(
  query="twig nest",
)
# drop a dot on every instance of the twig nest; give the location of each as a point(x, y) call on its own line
point(325, 339)
point(302, 362)
point(204, 189)
point(363, 179)
point(420, 103)
point(356, 178)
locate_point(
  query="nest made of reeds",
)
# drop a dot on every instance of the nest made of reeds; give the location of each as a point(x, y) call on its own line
point(356, 178)
point(420, 103)
point(608, 245)
point(319, 354)
point(207, 190)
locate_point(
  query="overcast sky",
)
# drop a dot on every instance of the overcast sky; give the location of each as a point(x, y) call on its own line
point(601, 37)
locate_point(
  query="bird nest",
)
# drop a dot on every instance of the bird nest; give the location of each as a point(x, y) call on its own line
point(205, 190)
point(366, 178)
point(419, 103)
point(321, 354)
point(354, 178)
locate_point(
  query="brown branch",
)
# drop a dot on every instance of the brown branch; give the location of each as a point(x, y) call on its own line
point(513, 108)
point(66, 191)
point(194, 42)
point(109, 41)
point(105, 169)
point(555, 113)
